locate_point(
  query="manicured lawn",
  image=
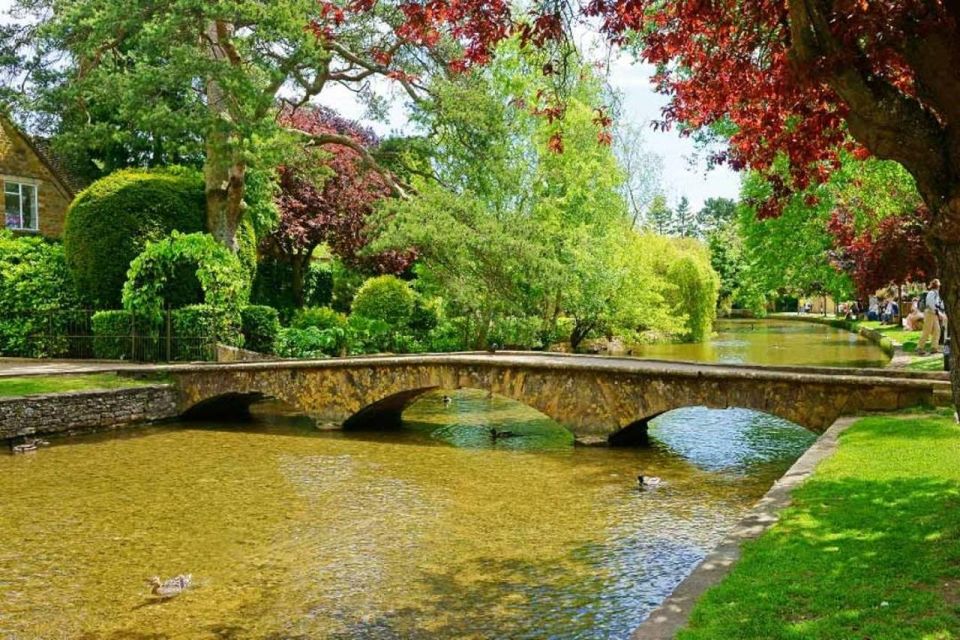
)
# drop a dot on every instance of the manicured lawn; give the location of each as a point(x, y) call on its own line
point(870, 548)
point(26, 385)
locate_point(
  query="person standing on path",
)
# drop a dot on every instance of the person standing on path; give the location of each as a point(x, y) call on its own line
point(931, 320)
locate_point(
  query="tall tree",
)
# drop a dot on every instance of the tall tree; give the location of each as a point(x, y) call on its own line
point(328, 200)
point(684, 220)
point(660, 215)
point(217, 70)
point(716, 214)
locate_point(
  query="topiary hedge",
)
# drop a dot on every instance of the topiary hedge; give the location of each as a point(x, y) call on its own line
point(219, 272)
point(261, 324)
point(110, 222)
point(385, 298)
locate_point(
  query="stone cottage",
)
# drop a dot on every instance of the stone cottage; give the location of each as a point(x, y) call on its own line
point(35, 191)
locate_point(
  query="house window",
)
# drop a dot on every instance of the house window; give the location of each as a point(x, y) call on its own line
point(20, 204)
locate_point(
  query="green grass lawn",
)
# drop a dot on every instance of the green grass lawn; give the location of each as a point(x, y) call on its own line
point(870, 548)
point(896, 333)
point(26, 385)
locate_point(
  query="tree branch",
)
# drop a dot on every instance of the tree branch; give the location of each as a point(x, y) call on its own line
point(397, 188)
point(889, 123)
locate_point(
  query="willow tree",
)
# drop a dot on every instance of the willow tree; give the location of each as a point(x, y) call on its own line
point(217, 71)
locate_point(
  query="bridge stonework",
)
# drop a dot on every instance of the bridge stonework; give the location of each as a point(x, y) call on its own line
point(598, 399)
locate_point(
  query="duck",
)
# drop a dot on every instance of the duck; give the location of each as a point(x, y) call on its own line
point(28, 445)
point(447, 400)
point(169, 588)
point(646, 482)
point(496, 433)
point(493, 347)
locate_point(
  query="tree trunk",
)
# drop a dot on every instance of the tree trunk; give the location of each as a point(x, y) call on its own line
point(296, 278)
point(224, 170)
point(948, 254)
point(224, 186)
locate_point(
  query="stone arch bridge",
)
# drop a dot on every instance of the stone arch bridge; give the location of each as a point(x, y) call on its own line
point(597, 398)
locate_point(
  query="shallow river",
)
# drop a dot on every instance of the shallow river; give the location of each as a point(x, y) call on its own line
point(775, 342)
point(433, 531)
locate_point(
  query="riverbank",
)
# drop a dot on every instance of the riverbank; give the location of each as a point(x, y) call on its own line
point(870, 547)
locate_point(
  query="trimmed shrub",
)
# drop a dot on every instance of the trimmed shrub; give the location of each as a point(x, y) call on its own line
point(426, 315)
point(319, 317)
point(110, 222)
point(309, 343)
point(219, 272)
point(121, 335)
point(33, 281)
point(385, 298)
point(197, 328)
point(260, 324)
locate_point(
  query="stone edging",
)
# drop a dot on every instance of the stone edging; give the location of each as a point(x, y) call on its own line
point(85, 411)
point(673, 614)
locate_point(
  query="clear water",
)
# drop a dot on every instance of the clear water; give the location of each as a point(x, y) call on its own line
point(435, 531)
point(774, 342)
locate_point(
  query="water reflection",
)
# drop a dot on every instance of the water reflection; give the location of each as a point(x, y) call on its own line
point(429, 532)
point(774, 342)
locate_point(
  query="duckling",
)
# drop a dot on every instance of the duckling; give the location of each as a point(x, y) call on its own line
point(647, 482)
point(170, 588)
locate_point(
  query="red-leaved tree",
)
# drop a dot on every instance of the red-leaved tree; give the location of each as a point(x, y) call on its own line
point(892, 253)
point(332, 209)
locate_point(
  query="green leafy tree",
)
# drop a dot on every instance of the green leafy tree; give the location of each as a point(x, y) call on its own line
point(176, 79)
point(660, 215)
point(684, 222)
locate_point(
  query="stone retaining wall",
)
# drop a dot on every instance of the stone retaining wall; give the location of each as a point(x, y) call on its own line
point(85, 411)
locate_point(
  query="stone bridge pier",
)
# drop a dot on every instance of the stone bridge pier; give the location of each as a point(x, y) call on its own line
point(598, 399)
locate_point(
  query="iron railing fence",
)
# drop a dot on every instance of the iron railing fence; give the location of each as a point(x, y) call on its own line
point(70, 334)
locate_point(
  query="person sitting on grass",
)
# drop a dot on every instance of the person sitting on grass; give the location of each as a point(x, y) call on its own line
point(914, 320)
point(931, 320)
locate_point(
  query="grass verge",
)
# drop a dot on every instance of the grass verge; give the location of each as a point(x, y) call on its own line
point(28, 385)
point(870, 548)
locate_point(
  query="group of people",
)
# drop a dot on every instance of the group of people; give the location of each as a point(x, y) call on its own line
point(926, 315)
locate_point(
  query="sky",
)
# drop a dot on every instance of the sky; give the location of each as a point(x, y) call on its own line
point(683, 173)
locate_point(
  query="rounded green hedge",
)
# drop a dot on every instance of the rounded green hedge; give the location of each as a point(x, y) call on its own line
point(111, 221)
point(385, 298)
point(151, 280)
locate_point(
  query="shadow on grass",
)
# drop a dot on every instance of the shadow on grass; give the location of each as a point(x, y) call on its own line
point(852, 559)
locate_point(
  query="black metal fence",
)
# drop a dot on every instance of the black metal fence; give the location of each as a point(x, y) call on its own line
point(73, 334)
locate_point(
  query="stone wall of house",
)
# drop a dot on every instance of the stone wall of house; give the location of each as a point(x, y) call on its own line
point(19, 160)
point(85, 411)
